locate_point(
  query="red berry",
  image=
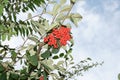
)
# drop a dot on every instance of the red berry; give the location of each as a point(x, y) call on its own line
point(41, 78)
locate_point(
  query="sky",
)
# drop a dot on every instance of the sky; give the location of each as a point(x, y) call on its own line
point(97, 37)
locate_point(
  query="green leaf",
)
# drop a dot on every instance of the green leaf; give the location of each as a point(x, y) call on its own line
point(60, 63)
point(33, 60)
point(75, 18)
point(13, 55)
point(45, 76)
point(69, 51)
point(55, 50)
point(29, 15)
point(65, 8)
point(46, 66)
point(1, 68)
point(62, 2)
point(60, 17)
point(3, 37)
point(1, 9)
point(55, 9)
point(33, 39)
point(52, 26)
point(3, 76)
point(23, 77)
point(46, 54)
point(55, 57)
point(61, 54)
point(119, 76)
point(13, 76)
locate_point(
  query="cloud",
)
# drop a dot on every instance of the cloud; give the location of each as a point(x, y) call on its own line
point(98, 37)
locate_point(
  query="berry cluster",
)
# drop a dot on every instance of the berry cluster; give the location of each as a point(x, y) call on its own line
point(58, 36)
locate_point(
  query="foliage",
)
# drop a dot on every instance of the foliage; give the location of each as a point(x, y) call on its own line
point(41, 59)
point(119, 76)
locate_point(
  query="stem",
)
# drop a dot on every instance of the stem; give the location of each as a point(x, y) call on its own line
point(67, 13)
point(39, 50)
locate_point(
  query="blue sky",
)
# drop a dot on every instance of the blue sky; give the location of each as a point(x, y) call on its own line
point(98, 37)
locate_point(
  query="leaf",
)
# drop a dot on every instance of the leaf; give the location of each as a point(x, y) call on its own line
point(69, 51)
point(1, 9)
point(60, 17)
point(49, 63)
point(1, 68)
point(33, 39)
point(45, 76)
point(119, 76)
point(62, 2)
point(66, 8)
point(13, 76)
point(29, 15)
point(13, 55)
point(52, 26)
point(61, 54)
point(55, 57)
point(33, 60)
point(75, 18)
point(46, 54)
point(55, 9)
point(55, 50)
point(46, 66)
point(3, 76)
point(60, 63)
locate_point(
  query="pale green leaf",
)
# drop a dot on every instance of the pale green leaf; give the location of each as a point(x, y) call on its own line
point(62, 1)
point(29, 15)
point(60, 63)
point(65, 8)
point(119, 76)
point(56, 9)
point(75, 18)
point(52, 26)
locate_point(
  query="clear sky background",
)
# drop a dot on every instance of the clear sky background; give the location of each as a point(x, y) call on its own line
point(97, 37)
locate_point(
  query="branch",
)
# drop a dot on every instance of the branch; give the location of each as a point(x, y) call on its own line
point(39, 49)
point(38, 14)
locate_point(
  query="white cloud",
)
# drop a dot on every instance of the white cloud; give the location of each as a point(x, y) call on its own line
point(98, 37)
